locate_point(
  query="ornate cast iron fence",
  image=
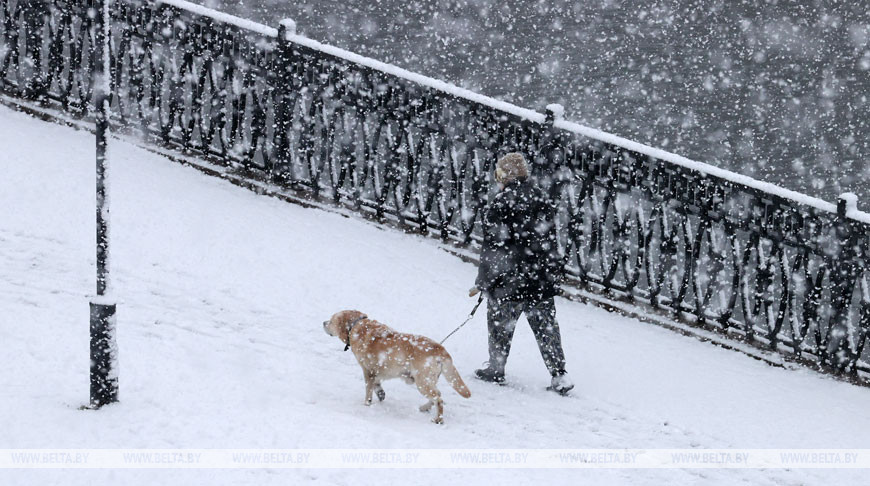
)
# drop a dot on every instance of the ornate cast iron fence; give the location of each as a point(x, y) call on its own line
point(776, 268)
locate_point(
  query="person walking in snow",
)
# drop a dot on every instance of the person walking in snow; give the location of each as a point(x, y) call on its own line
point(519, 271)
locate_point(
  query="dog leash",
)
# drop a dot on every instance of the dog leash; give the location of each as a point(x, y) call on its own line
point(479, 300)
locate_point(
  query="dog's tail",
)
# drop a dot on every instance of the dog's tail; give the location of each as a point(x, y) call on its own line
point(453, 377)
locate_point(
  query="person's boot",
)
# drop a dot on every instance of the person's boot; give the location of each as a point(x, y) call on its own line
point(490, 374)
point(561, 383)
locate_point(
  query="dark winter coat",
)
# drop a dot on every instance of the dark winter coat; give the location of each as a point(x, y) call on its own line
point(519, 260)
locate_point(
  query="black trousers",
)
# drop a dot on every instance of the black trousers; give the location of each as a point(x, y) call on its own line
point(502, 321)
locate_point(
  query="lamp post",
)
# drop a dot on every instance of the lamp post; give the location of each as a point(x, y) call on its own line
point(104, 376)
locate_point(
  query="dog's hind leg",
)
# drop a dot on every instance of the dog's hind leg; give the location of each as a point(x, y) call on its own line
point(430, 391)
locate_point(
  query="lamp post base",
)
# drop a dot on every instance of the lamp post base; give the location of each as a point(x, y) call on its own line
point(104, 351)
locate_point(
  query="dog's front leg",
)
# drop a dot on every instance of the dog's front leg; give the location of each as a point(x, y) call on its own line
point(370, 386)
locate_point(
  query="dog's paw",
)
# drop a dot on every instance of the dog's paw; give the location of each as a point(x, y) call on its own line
point(438, 420)
point(381, 394)
point(425, 407)
point(367, 402)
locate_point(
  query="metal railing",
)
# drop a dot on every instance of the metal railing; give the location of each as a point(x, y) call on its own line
point(775, 268)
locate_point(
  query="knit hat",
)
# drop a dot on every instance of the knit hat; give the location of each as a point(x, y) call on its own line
point(512, 167)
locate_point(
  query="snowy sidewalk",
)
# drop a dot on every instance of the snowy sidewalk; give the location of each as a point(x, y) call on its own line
point(222, 295)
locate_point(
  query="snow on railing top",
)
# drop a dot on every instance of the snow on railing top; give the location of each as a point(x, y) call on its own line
point(433, 83)
point(524, 113)
point(703, 168)
point(221, 17)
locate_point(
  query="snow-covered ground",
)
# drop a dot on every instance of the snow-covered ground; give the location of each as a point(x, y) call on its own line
point(222, 295)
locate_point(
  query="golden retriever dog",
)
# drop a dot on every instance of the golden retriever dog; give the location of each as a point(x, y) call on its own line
point(384, 354)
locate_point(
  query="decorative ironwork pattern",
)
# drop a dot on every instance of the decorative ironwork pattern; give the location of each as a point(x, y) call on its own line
point(781, 272)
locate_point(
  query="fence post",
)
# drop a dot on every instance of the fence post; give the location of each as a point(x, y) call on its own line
point(555, 112)
point(283, 104)
point(843, 279)
point(548, 182)
point(36, 13)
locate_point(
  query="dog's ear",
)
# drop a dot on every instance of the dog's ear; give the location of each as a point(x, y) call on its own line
point(343, 320)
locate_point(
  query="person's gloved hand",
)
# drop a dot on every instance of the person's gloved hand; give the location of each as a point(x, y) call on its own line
point(473, 291)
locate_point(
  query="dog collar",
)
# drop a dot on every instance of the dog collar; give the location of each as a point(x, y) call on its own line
point(350, 328)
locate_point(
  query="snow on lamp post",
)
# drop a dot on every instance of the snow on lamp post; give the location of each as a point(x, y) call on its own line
point(104, 376)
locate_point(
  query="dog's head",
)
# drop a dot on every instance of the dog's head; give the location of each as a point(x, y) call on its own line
point(339, 322)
